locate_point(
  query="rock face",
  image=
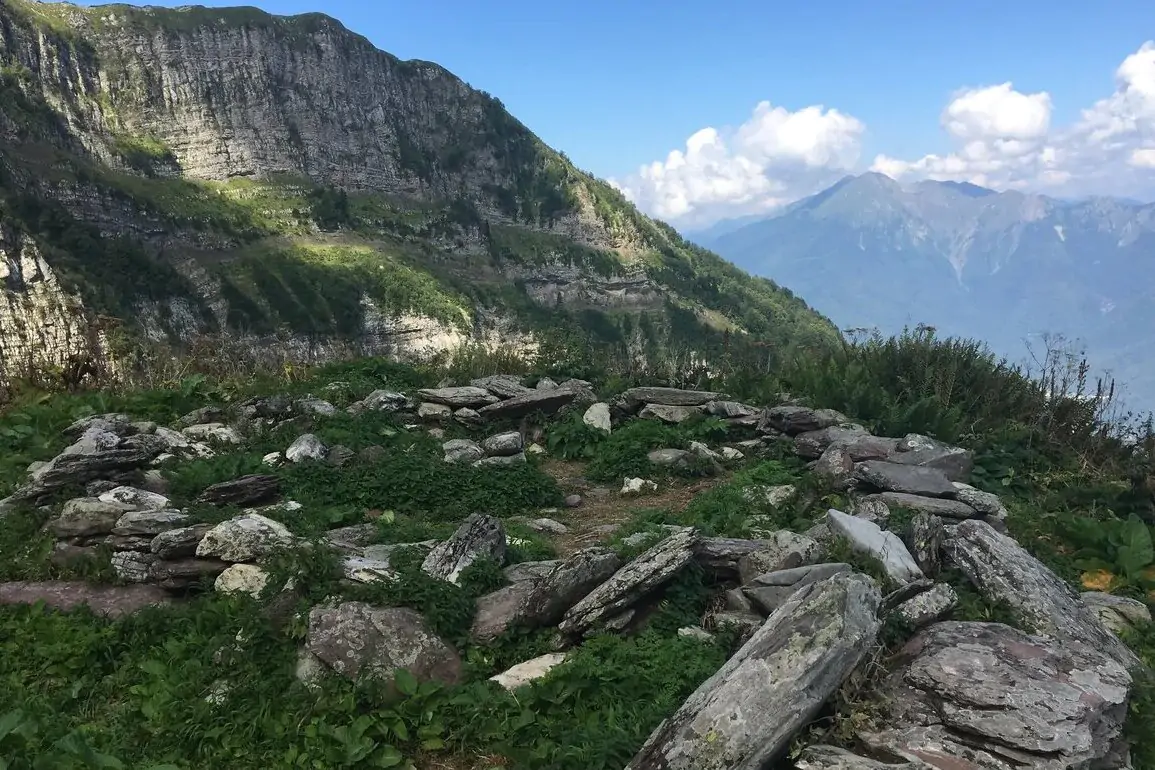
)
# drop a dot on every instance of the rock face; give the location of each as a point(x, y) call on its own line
point(630, 584)
point(479, 537)
point(746, 714)
point(1005, 572)
point(357, 640)
point(986, 695)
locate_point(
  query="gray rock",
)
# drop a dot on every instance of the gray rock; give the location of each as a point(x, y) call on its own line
point(133, 566)
point(248, 537)
point(431, 412)
point(468, 417)
point(693, 632)
point(927, 607)
point(916, 449)
point(948, 509)
point(501, 461)
point(783, 550)
point(253, 489)
point(352, 538)
point(85, 517)
point(1003, 571)
point(339, 455)
point(985, 503)
point(1118, 613)
point(671, 415)
point(358, 641)
point(479, 537)
point(315, 406)
point(572, 501)
point(668, 458)
point(120, 542)
point(306, 447)
point(908, 479)
point(731, 409)
point(182, 573)
point(985, 695)
point(503, 444)
point(855, 439)
point(747, 713)
point(793, 420)
point(924, 537)
point(530, 570)
point(836, 466)
point(465, 396)
point(636, 397)
point(205, 414)
point(545, 383)
point(134, 499)
point(382, 401)
point(631, 583)
point(867, 538)
point(872, 510)
point(529, 671)
point(545, 401)
point(462, 451)
point(386, 551)
point(832, 758)
point(722, 555)
point(501, 385)
point(772, 590)
point(543, 524)
point(740, 622)
point(149, 522)
point(213, 432)
point(736, 601)
point(178, 543)
point(108, 601)
point(116, 423)
point(366, 569)
point(598, 417)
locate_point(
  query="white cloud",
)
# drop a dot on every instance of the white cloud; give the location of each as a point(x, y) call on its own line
point(1001, 137)
point(774, 157)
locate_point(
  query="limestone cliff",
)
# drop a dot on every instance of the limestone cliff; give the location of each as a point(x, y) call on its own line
point(226, 171)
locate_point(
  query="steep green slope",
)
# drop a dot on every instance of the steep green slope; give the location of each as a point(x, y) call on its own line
point(200, 170)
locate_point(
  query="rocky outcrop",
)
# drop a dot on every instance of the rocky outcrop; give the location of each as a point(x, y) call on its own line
point(746, 714)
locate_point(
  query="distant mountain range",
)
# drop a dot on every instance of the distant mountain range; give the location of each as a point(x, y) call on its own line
point(1001, 267)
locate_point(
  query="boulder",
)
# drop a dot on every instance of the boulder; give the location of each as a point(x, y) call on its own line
point(180, 542)
point(529, 671)
point(772, 590)
point(1118, 613)
point(545, 401)
point(916, 449)
point(248, 537)
point(636, 397)
point(253, 489)
point(783, 550)
point(986, 503)
point(671, 415)
point(546, 383)
point(638, 486)
point(813, 443)
point(357, 641)
point(886, 547)
point(315, 406)
point(907, 479)
point(793, 420)
point(924, 537)
point(1003, 571)
point(479, 537)
point(465, 396)
point(928, 606)
point(722, 555)
point(306, 447)
point(740, 622)
point(381, 401)
point(630, 584)
point(969, 695)
point(598, 417)
point(214, 432)
point(85, 517)
point(462, 451)
point(948, 509)
point(501, 385)
point(746, 714)
point(503, 444)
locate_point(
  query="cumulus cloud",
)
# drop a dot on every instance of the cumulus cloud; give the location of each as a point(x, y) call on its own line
point(1004, 139)
point(774, 157)
point(999, 137)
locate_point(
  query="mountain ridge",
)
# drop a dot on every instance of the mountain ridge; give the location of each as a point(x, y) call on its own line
point(282, 180)
point(1001, 267)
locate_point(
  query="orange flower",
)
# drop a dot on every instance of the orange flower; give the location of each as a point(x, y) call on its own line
point(1098, 580)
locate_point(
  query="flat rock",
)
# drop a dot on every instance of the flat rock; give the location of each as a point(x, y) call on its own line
point(907, 479)
point(746, 714)
point(671, 415)
point(635, 397)
point(813, 443)
point(109, 601)
point(245, 538)
point(868, 538)
point(772, 590)
point(793, 420)
point(529, 570)
point(501, 385)
point(134, 499)
point(628, 585)
point(668, 458)
point(729, 410)
point(984, 695)
point(367, 569)
point(722, 555)
point(947, 509)
point(929, 606)
point(479, 537)
point(468, 417)
point(529, 671)
point(463, 396)
point(149, 522)
point(253, 489)
point(501, 461)
point(352, 538)
point(546, 401)
point(358, 640)
point(180, 542)
point(1003, 571)
point(916, 449)
point(133, 566)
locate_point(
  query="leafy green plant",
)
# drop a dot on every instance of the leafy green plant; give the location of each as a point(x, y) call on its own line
point(1115, 555)
point(573, 439)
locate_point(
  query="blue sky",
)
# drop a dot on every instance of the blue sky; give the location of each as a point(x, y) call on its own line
point(620, 84)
